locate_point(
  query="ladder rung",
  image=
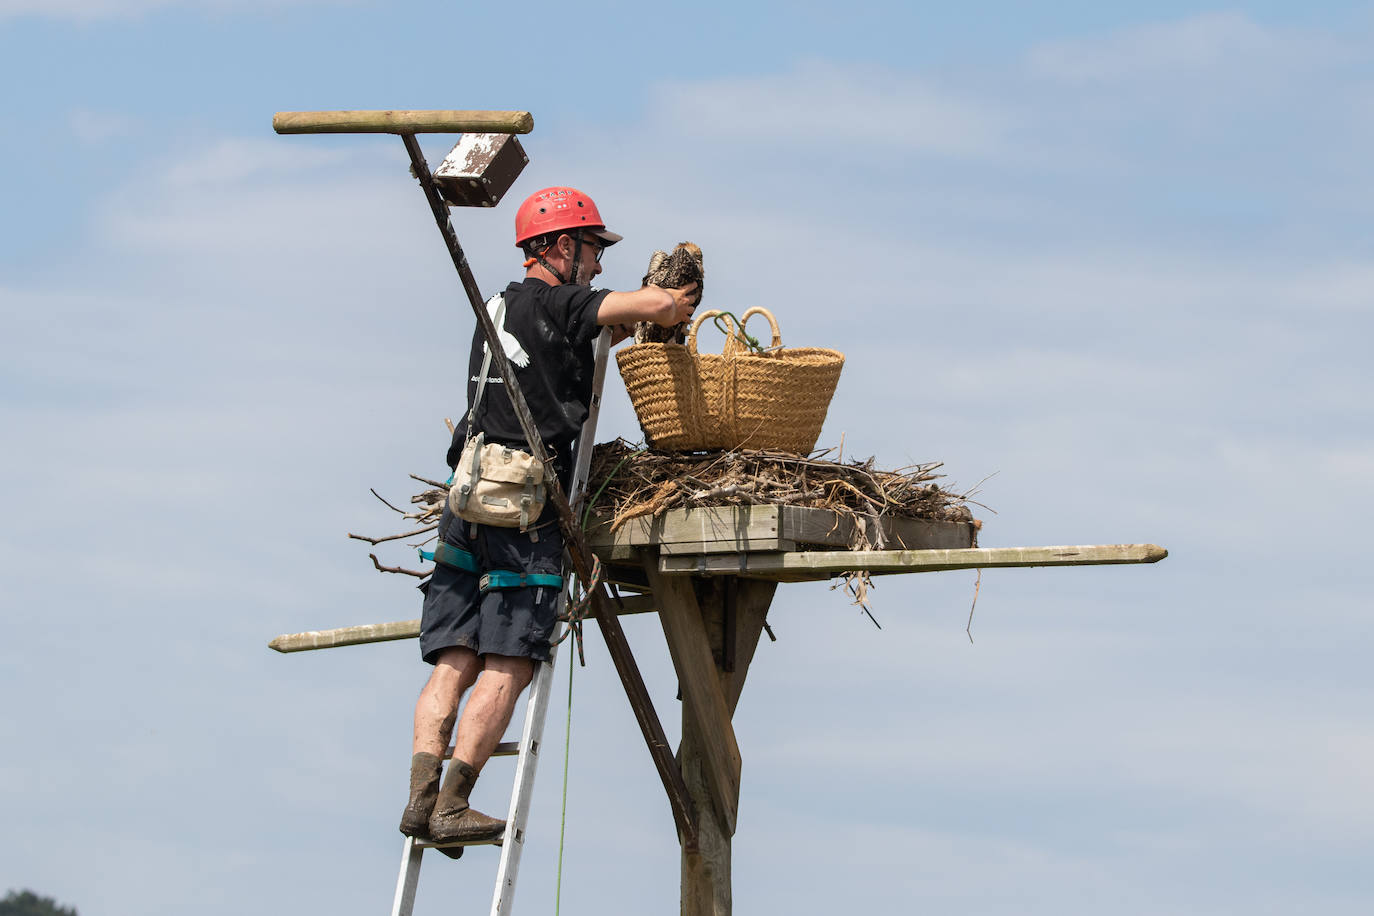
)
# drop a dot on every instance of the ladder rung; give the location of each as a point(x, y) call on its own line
point(504, 749)
point(426, 844)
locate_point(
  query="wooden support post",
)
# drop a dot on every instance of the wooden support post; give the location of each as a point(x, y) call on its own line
point(706, 886)
point(702, 697)
point(700, 633)
point(706, 878)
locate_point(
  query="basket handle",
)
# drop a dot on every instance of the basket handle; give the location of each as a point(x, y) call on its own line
point(712, 313)
point(772, 322)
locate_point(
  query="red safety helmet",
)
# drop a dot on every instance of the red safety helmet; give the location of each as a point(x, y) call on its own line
point(559, 210)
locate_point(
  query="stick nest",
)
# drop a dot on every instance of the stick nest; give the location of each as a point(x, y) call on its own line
point(628, 482)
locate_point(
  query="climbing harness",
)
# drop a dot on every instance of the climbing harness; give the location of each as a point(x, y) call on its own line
point(449, 555)
point(503, 578)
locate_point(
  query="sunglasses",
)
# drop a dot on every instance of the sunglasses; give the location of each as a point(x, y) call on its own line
point(596, 244)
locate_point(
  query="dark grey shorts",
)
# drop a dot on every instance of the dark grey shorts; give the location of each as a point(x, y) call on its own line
point(504, 621)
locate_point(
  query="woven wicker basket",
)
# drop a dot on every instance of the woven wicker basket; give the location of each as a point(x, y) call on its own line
point(776, 399)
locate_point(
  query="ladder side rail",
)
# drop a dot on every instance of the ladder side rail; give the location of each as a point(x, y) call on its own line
point(531, 744)
point(537, 706)
point(403, 904)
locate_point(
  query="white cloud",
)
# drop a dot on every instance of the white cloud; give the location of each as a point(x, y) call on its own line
point(94, 127)
point(839, 113)
point(1181, 50)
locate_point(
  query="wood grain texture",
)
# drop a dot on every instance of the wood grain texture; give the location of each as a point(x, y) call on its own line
point(823, 564)
point(738, 529)
point(706, 888)
point(404, 629)
point(402, 122)
point(346, 636)
point(706, 870)
point(702, 697)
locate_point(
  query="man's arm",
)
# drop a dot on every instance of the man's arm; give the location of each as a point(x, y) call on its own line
point(664, 307)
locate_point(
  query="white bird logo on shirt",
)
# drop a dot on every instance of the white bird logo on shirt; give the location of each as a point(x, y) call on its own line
point(514, 352)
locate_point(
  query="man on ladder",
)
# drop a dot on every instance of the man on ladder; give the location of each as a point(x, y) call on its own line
point(491, 603)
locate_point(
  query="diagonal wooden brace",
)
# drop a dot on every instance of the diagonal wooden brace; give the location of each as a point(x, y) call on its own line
point(700, 681)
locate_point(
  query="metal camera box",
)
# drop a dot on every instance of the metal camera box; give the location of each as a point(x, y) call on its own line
point(480, 169)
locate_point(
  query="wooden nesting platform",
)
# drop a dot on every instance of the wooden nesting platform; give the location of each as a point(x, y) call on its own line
point(710, 574)
point(781, 543)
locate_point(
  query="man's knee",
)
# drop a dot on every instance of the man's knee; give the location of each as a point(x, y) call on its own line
point(455, 668)
point(516, 670)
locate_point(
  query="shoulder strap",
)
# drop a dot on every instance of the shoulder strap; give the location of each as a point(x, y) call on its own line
point(486, 360)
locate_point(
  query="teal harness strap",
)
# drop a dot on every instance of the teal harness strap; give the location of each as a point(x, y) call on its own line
point(449, 555)
point(503, 578)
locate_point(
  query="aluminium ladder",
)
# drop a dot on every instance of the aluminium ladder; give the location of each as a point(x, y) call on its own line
point(526, 751)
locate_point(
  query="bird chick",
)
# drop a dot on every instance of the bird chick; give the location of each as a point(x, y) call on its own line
point(671, 271)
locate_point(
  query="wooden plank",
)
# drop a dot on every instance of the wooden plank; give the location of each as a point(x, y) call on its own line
point(823, 564)
point(404, 629)
point(402, 122)
point(837, 529)
point(346, 636)
point(731, 528)
point(740, 529)
point(756, 545)
point(702, 696)
point(623, 552)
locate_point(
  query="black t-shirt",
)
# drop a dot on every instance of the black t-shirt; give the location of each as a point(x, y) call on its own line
point(547, 333)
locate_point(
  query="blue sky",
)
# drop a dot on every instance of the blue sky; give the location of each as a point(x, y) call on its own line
point(1117, 261)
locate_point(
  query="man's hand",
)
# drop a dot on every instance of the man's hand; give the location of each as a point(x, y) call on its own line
point(684, 303)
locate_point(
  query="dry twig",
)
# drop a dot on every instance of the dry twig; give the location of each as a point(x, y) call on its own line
point(396, 569)
point(628, 482)
point(393, 537)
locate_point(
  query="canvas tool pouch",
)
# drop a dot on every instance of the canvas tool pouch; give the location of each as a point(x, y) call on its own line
point(496, 485)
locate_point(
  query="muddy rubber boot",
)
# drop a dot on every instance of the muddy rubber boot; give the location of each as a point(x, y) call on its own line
point(424, 791)
point(453, 819)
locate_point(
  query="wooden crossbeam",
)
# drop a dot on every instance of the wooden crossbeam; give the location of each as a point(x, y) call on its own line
point(402, 122)
point(823, 564)
point(346, 636)
point(397, 629)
